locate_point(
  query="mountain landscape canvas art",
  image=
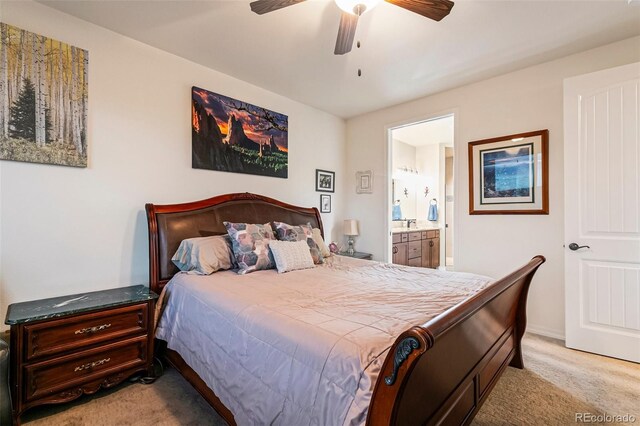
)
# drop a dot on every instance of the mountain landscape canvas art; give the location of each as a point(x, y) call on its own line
point(234, 136)
point(43, 99)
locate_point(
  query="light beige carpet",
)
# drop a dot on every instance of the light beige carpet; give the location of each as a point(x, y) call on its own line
point(556, 384)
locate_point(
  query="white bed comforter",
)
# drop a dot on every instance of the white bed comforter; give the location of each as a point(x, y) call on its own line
point(305, 347)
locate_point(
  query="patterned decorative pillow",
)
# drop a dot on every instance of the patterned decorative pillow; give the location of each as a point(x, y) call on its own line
point(286, 232)
point(291, 255)
point(251, 246)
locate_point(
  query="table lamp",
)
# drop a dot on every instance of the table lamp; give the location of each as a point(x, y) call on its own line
point(350, 230)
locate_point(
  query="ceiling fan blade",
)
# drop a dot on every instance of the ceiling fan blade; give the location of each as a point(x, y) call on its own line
point(432, 9)
point(346, 33)
point(265, 6)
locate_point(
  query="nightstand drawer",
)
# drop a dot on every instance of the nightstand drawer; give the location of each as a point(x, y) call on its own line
point(52, 337)
point(48, 377)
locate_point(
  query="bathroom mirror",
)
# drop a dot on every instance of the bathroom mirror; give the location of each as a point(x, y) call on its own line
point(404, 190)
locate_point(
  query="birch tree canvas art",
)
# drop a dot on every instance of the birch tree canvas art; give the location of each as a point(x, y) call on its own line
point(43, 99)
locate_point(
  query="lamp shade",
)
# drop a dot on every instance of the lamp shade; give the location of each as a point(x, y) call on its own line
point(350, 227)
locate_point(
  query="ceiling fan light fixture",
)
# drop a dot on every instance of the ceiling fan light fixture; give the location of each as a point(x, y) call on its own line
point(352, 9)
point(357, 7)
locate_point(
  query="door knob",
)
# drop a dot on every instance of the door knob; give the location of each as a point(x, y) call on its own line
point(574, 247)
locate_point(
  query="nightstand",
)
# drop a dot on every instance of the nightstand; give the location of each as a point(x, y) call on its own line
point(67, 346)
point(358, 255)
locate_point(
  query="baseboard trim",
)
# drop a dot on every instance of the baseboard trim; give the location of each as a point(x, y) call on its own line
point(544, 331)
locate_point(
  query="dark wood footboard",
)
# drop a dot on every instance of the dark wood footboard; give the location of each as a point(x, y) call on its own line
point(442, 372)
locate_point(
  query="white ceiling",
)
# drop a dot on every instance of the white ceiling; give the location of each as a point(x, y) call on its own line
point(403, 55)
point(426, 133)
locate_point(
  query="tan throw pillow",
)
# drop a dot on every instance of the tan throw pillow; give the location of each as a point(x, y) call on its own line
point(291, 255)
point(204, 255)
point(317, 237)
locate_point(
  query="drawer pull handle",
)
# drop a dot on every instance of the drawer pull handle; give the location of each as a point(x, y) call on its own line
point(93, 329)
point(90, 365)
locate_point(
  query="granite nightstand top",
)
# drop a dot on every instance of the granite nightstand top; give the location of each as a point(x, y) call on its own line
point(357, 255)
point(54, 307)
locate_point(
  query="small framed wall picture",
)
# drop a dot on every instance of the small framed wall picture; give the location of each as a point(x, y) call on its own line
point(325, 203)
point(325, 181)
point(364, 182)
point(510, 174)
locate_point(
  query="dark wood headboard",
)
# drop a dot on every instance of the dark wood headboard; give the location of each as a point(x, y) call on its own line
point(169, 224)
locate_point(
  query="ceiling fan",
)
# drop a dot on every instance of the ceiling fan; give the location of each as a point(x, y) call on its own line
point(352, 9)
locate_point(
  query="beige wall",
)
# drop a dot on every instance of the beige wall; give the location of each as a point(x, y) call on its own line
point(66, 230)
point(529, 99)
point(404, 155)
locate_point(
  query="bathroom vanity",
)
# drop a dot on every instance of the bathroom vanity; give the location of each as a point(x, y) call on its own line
point(416, 247)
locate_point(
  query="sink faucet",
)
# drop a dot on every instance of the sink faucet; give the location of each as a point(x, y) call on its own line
point(410, 221)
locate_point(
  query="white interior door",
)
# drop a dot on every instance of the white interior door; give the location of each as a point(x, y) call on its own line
point(602, 211)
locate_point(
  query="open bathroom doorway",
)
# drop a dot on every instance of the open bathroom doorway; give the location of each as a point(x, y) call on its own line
point(422, 199)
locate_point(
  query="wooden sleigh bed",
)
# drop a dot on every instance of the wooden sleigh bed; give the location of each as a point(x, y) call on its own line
point(439, 372)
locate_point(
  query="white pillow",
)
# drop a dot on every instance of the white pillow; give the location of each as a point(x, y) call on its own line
point(204, 255)
point(317, 237)
point(291, 255)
